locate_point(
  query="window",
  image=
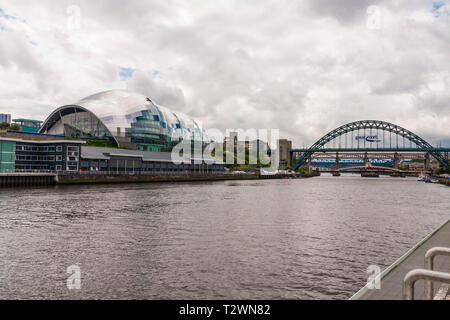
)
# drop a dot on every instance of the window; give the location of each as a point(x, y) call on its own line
point(58, 158)
point(58, 168)
point(72, 159)
point(19, 148)
point(59, 149)
point(72, 148)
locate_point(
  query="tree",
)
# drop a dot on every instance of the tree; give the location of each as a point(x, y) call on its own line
point(15, 127)
point(441, 170)
point(4, 125)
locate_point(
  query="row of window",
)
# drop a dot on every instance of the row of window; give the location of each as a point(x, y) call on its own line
point(74, 154)
point(40, 148)
point(73, 150)
point(38, 158)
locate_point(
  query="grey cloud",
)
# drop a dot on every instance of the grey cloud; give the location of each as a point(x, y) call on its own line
point(346, 11)
point(159, 92)
point(249, 64)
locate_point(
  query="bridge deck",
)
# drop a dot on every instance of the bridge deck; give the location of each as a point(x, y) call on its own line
point(392, 277)
point(372, 149)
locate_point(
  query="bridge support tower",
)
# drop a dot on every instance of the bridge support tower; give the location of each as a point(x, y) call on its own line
point(426, 162)
point(337, 160)
point(366, 160)
point(396, 160)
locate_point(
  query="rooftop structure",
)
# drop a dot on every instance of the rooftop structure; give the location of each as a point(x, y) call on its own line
point(28, 125)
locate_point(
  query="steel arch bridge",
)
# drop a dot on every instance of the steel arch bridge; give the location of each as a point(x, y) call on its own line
point(421, 144)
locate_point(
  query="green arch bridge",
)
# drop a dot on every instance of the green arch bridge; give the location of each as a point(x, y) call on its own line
point(363, 143)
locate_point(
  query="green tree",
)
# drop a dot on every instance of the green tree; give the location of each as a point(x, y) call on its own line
point(4, 125)
point(441, 170)
point(15, 127)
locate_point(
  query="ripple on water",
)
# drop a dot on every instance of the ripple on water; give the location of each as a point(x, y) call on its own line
point(295, 239)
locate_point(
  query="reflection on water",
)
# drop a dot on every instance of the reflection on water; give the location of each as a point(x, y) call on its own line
point(281, 239)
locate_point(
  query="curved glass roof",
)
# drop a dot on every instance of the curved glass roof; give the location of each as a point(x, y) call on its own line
point(120, 108)
point(134, 114)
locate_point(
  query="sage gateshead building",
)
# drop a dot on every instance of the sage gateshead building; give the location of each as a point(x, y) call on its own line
point(123, 131)
point(123, 119)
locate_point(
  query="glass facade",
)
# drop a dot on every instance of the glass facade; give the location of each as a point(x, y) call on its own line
point(7, 156)
point(123, 117)
point(81, 124)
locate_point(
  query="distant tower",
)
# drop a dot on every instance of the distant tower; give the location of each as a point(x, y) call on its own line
point(284, 152)
point(4, 117)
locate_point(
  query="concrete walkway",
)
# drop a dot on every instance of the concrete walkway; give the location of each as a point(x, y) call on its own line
point(392, 277)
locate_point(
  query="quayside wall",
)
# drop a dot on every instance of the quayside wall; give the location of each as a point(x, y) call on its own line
point(46, 179)
point(143, 178)
point(27, 180)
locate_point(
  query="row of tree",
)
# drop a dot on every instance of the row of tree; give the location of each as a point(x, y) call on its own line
point(441, 170)
point(6, 126)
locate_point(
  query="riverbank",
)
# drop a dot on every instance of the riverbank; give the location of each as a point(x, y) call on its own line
point(441, 180)
point(144, 178)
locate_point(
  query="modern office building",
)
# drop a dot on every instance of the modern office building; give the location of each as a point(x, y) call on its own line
point(5, 118)
point(28, 125)
point(111, 160)
point(126, 119)
point(17, 155)
point(47, 155)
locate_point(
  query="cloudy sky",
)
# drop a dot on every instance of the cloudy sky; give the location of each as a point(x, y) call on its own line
point(303, 66)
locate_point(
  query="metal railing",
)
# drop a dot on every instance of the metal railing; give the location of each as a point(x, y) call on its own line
point(421, 274)
point(429, 264)
point(121, 172)
point(428, 275)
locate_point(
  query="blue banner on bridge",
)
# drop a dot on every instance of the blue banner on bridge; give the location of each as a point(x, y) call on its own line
point(326, 163)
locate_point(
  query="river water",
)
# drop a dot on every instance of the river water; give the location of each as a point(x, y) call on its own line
point(273, 239)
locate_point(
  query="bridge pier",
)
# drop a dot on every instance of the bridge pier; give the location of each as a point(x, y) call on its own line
point(337, 160)
point(426, 162)
point(366, 160)
point(396, 160)
point(309, 163)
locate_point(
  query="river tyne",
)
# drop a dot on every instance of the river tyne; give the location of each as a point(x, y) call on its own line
point(267, 239)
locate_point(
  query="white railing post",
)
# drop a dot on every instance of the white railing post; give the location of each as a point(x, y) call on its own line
point(429, 264)
point(421, 274)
